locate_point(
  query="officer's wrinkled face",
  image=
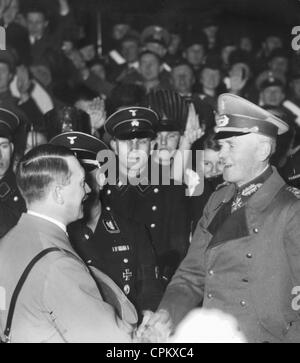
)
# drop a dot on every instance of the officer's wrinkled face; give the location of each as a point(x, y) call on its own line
point(213, 166)
point(133, 154)
point(195, 55)
point(167, 144)
point(6, 151)
point(241, 158)
point(296, 88)
point(36, 24)
point(272, 96)
point(183, 79)
point(210, 78)
point(150, 67)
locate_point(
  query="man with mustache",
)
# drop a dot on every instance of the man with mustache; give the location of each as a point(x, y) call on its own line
point(60, 301)
point(115, 245)
point(244, 257)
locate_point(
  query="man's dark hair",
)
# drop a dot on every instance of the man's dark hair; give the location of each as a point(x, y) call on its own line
point(39, 168)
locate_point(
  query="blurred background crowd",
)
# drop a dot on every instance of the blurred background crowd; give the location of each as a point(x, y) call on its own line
point(63, 55)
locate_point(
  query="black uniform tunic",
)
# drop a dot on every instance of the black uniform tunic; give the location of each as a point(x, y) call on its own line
point(12, 204)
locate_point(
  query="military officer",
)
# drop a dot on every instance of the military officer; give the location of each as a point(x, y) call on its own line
point(144, 198)
point(244, 257)
point(12, 204)
point(115, 245)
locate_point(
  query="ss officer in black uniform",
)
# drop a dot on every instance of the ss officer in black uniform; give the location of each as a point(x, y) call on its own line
point(136, 194)
point(113, 244)
point(12, 204)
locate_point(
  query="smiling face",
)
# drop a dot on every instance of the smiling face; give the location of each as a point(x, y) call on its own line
point(213, 166)
point(242, 158)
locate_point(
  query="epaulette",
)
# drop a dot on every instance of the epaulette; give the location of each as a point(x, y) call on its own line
point(220, 186)
point(294, 191)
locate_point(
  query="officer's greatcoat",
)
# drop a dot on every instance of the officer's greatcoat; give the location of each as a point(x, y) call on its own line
point(251, 270)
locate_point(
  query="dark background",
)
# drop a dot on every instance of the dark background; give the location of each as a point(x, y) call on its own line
point(185, 15)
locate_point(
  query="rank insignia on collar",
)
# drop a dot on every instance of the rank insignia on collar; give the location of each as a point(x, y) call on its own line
point(294, 191)
point(111, 225)
point(253, 188)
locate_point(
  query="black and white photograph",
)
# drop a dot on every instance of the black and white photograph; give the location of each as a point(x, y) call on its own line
point(150, 174)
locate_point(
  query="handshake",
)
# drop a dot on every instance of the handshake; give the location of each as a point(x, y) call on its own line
point(155, 327)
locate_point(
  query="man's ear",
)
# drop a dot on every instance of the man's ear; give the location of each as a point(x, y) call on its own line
point(101, 179)
point(153, 144)
point(265, 151)
point(57, 195)
point(113, 145)
point(12, 147)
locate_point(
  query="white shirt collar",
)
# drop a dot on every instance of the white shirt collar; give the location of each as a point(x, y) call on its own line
point(49, 219)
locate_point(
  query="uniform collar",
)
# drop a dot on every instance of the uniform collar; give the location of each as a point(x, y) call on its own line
point(264, 196)
point(247, 190)
point(49, 219)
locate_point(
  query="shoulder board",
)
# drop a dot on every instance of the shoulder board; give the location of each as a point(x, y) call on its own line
point(294, 191)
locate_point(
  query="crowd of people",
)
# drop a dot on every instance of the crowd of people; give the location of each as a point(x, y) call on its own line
point(99, 159)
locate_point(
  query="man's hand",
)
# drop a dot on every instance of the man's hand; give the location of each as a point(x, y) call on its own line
point(97, 113)
point(155, 327)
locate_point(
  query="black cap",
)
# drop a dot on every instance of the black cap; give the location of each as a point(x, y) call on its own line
point(156, 33)
point(171, 108)
point(199, 39)
point(132, 122)
point(238, 117)
point(9, 123)
point(85, 147)
point(271, 82)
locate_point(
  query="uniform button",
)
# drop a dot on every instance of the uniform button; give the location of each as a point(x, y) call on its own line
point(109, 192)
point(209, 296)
point(243, 304)
point(256, 230)
point(211, 273)
point(86, 236)
point(16, 199)
point(126, 260)
point(156, 190)
point(153, 226)
point(108, 209)
point(89, 262)
point(249, 255)
point(154, 208)
point(246, 281)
